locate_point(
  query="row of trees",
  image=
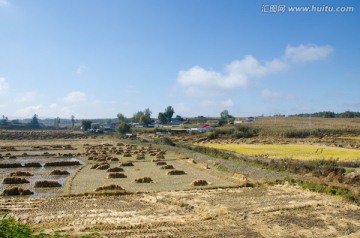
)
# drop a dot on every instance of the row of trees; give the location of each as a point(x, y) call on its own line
point(33, 123)
point(144, 117)
point(328, 114)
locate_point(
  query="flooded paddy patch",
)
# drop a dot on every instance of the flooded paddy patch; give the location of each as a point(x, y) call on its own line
point(37, 174)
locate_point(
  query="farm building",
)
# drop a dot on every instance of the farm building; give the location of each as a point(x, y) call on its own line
point(201, 129)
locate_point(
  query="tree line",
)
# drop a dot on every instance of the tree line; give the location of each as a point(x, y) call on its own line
point(328, 114)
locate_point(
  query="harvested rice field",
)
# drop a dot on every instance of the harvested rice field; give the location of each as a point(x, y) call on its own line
point(124, 189)
point(87, 179)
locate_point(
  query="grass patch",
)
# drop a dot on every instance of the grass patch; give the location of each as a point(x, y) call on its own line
point(221, 167)
point(323, 188)
point(11, 229)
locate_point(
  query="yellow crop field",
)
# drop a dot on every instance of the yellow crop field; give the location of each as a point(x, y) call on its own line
point(293, 151)
point(355, 138)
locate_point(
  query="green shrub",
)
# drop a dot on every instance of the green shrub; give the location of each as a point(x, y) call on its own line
point(211, 135)
point(9, 229)
point(165, 140)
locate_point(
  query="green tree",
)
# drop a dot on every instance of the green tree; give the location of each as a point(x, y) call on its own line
point(4, 120)
point(123, 128)
point(147, 114)
point(347, 114)
point(143, 117)
point(72, 122)
point(57, 122)
point(224, 114)
point(34, 123)
point(162, 118)
point(169, 112)
point(226, 117)
point(121, 118)
point(137, 115)
point(86, 124)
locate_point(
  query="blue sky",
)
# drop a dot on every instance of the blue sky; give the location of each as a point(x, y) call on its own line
point(94, 59)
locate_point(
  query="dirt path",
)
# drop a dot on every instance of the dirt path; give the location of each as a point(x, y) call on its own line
point(277, 211)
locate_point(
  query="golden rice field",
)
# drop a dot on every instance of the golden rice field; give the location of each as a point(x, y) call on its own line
point(293, 151)
point(355, 138)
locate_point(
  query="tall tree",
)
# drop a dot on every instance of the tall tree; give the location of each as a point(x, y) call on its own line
point(86, 124)
point(224, 114)
point(4, 120)
point(147, 113)
point(162, 118)
point(143, 117)
point(169, 112)
point(57, 122)
point(34, 121)
point(137, 115)
point(72, 122)
point(226, 117)
point(121, 117)
point(123, 128)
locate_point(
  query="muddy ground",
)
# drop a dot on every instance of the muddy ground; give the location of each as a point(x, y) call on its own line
point(171, 206)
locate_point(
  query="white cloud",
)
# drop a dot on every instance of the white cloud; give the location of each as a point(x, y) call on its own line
point(81, 70)
point(306, 53)
point(198, 81)
point(4, 3)
point(75, 97)
point(237, 74)
point(26, 97)
point(3, 85)
point(269, 95)
point(266, 93)
point(44, 111)
point(181, 108)
point(227, 103)
point(217, 103)
point(30, 111)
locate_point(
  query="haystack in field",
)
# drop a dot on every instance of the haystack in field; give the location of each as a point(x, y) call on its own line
point(160, 156)
point(199, 182)
point(103, 166)
point(16, 191)
point(21, 173)
point(14, 180)
point(109, 187)
point(59, 172)
point(143, 180)
point(168, 166)
point(33, 164)
point(46, 184)
point(62, 163)
point(116, 175)
point(176, 172)
point(127, 164)
point(10, 165)
point(115, 169)
point(140, 157)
